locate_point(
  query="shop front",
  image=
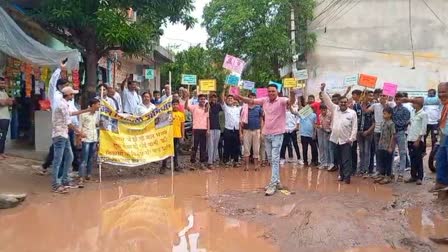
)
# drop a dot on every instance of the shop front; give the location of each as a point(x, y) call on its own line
point(27, 66)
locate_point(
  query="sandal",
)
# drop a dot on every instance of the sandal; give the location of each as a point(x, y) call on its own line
point(60, 189)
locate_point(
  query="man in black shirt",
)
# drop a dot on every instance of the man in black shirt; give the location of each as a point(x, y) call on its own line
point(365, 133)
point(215, 131)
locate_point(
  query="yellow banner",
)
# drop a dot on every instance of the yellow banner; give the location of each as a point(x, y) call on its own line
point(136, 140)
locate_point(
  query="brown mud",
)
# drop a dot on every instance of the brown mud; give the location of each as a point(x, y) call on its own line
point(221, 210)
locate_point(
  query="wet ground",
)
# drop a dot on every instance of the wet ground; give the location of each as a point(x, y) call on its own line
point(221, 210)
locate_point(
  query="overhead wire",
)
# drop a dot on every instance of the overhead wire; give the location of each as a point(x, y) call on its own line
point(338, 5)
point(348, 9)
point(343, 5)
point(435, 14)
point(326, 9)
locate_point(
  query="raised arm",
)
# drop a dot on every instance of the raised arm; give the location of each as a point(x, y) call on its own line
point(292, 97)
point(223, 95)
point(124, 84)
point(187, 98)
point(326, 98)
point(349, 88)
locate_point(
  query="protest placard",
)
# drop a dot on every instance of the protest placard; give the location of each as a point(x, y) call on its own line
point(279, 86)
point(262, 92)
point(249, 85)
point(289, 82)
point(350, 80)
point(300, 74)
point(189, 79)
point(367, 81)
point(232, 80)
point(207, 85)
point(390, 89)
point(234, 90)
point(234, 64)
point(305, 111)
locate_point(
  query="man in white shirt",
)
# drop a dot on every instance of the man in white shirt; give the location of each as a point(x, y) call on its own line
point(57, 83)
point(146, 106)
point(343, 133)
point(167, 94)
point(416, 132)
point(5, 116)
point(232, 143)
point(290, 136)
point(433, 108)
point(130, 96)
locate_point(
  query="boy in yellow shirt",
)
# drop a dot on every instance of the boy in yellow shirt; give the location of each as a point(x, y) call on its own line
point(178, 135)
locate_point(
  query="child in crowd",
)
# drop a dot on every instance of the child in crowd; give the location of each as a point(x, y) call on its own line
point(306, 136)
point(156, 100)
point(385, 148)
point(178, 135)
point(89, 123)
point(325, 119)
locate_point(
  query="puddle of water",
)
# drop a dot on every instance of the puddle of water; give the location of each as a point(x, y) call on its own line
point(376, 249)
point(426, 224)
point(144, 217)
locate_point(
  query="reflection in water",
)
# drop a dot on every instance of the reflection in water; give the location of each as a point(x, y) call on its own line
point(140, 217)
point(425, 224)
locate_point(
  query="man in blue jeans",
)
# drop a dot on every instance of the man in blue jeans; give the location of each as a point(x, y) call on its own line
point(401, 117)
point(442, 153)
point(274, 127)
point(62, 122)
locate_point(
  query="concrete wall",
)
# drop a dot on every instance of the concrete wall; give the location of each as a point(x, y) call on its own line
point(373, 37)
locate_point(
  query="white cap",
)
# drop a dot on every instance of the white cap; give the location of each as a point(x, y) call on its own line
point(69, 91)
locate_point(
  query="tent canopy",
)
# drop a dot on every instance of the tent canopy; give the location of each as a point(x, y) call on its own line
point(16, 43)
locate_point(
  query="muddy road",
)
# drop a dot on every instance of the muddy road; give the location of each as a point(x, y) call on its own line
point(220, 210)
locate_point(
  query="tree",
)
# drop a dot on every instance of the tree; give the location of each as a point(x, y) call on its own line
point(96, 27)
point(196, 60)
point(259, 32)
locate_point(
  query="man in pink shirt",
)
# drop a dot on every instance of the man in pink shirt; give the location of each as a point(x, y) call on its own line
point(274, 108)
point(200, 129)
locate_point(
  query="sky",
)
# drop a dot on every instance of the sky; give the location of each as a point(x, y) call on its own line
point(177, 35)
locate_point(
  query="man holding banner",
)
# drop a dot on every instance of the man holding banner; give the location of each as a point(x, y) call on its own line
point(274, 127)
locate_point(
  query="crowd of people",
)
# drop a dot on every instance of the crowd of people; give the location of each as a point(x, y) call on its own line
point(359, 136)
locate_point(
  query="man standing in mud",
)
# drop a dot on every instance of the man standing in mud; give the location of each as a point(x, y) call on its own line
point(442, 153)
point(343, 133)
point(274, 108)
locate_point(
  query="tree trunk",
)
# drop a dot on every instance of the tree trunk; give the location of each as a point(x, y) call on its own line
point(91, 62)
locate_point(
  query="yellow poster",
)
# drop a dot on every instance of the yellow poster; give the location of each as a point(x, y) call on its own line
point(207, 85)
point(136, 140)
point(289, 82)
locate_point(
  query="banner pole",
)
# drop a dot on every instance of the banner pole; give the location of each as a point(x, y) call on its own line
point(172, 157)
point(100, 166)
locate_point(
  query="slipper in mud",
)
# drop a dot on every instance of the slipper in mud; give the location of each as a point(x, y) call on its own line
point(285, 192)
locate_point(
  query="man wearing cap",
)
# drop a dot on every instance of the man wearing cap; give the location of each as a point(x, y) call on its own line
point(5, 116)
point(57, 83)
point(62, 122)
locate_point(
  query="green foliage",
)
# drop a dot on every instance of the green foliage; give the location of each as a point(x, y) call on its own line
point(258, 31)
point(105, 22)
point(198, 61)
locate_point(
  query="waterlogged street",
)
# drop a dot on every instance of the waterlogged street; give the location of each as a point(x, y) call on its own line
point(221, 210)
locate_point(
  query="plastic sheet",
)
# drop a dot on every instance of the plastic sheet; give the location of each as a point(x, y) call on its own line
point(16, 43)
